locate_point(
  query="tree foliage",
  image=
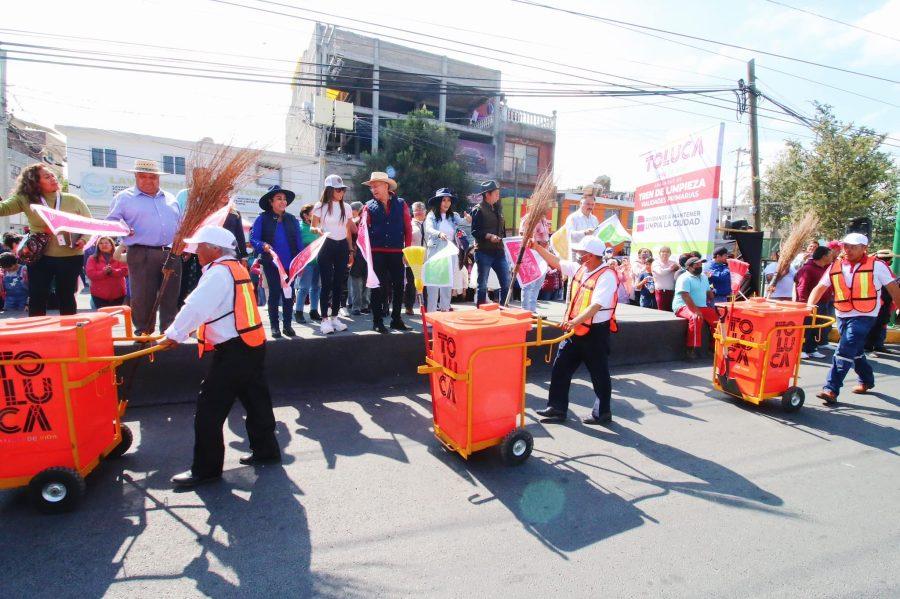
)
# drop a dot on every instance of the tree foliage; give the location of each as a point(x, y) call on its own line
point(842, 174)
point(423, 156)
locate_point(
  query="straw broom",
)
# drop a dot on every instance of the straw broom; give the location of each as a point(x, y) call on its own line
point(542, 200)
point(801, 232)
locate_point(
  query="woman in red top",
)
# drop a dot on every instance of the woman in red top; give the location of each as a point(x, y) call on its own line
point(107, 275)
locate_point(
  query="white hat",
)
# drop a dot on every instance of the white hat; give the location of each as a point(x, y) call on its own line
point(335, 181)
point(383, 178)
point(855, 239)
point(213, 235)
point(146, 166)
point(590, 244)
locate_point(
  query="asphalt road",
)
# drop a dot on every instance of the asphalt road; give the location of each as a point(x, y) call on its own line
point(687, 494)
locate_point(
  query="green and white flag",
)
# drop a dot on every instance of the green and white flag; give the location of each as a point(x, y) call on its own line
point(438, 270)
point(612, 232)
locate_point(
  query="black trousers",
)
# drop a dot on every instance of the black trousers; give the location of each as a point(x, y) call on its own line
point(409, 291)
point(236, 372)
point(391, 275)
point(61, 271)
point(332, 261)
point(592, 350)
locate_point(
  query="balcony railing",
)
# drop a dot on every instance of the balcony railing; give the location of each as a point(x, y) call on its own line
point(513, 115)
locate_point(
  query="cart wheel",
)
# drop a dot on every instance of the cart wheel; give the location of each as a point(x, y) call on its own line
point(792, 399)
point(516, 447)
point(56, 490)
point(124, 445)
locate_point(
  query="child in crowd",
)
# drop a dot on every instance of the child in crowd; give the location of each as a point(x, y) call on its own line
point(646, 286)
point(14, 287)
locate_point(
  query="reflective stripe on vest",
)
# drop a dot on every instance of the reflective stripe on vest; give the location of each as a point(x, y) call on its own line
point(246, 314)
point(580, 298)
point(861, 294)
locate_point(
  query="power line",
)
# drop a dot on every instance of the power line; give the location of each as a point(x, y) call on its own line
point(703, 39)
point(815, 14)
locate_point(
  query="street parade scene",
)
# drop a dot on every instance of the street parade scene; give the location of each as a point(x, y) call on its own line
point(314, 300)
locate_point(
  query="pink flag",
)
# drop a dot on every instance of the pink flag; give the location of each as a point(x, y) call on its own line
point(365, 247)
point(216, 219)
point(58, 221)
point(533, 266)
point(285, 285)
point(738, 270)
point(308, 254)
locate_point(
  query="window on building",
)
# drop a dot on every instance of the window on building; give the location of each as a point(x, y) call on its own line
point(268, 175)
point(110, 158)
point(528, 165)
point(104, 158)
point(174, 165)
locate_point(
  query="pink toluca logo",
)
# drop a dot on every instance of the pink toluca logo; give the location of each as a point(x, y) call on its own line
point(680, 151)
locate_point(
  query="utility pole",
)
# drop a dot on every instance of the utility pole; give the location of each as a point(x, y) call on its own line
point(4, 137)
point(737, 168)
point(755, 191)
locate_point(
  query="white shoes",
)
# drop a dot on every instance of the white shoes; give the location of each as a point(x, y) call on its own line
point(337, 325)
point(817, 354)
point(326, 326)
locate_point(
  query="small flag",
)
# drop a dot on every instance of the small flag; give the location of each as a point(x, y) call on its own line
point(302, 259)
point(612, 232)
point(285, 285)
point(532, 267)
point(58, 222)
point(560, 242)
point(365, 247)
point(438, 270)
point(738, 269)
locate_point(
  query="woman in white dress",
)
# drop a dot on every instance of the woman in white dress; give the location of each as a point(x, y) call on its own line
point(440, 229)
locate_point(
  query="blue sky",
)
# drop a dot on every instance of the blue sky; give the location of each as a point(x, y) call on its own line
point(595, 136)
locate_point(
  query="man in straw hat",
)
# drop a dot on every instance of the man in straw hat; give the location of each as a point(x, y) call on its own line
point(390, 230)
point(222, 309)
point(591, 314)
point(489, 229)
point(153, 216)
point(857, 280)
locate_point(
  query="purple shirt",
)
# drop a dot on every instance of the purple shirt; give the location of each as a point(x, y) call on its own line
point(153, 218)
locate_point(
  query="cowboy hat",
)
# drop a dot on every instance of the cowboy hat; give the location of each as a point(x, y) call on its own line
point(265, 202)
point(885, 254)
point(378, 176)
point(439, 195)
point(151, 167)
point(488, 186)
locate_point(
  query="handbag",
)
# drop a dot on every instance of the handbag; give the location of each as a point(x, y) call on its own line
point(32, 248)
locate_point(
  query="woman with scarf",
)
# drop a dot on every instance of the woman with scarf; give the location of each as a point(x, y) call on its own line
point(440, 229)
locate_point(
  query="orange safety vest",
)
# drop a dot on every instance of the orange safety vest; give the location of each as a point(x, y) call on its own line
point(246, 314)
point(861, 295)
point(580, 298)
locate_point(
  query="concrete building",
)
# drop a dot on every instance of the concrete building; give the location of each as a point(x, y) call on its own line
point(385, 81)
point(98, 159)
point(27, 143)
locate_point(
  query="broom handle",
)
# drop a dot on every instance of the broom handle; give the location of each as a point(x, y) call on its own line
point(167, 274)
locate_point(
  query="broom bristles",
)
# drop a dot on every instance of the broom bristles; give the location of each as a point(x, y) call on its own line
point(541, 201)
point(801, 233)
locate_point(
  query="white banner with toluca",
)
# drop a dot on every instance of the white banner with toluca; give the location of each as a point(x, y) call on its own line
point(677, 204)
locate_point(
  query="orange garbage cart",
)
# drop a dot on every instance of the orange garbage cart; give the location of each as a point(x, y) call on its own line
point(477, 361)
point(60, 413)
point(757, 349)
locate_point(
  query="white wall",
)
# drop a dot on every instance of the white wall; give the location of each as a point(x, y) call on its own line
point(98, 185)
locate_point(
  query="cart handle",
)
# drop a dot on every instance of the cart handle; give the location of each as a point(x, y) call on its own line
point(114, 359)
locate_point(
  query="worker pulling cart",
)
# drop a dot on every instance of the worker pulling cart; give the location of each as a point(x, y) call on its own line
point(757, 349)
point(61, 413)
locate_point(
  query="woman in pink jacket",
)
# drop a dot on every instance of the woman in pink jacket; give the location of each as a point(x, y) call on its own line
point(107, 275)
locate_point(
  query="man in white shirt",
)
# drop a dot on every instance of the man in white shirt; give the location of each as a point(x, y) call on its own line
point(591, 314)
point(223, 311)
point(582, 222)
point(857, 280)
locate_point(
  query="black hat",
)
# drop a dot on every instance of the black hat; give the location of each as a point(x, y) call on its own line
point(487, 186)
point(265, 202)
point(439, 195)
point(692, 261)
point(720, 250)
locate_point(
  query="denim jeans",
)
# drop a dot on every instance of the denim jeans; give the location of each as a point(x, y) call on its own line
point(530, 294)
point(812, 337)
point(276, 297)
point(308, 285)
point(850, 353)
point(359, 293)
point(486, 261)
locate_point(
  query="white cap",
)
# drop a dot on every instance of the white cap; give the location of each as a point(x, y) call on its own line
point(591, 245)
point(213, 235)
point(335, 181)
point(855, 239)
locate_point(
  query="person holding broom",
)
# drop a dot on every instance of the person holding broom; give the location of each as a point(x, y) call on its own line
point(222, 310)
point(591, 314)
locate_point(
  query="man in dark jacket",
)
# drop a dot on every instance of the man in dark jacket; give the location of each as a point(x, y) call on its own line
point(488, 229)
point(390, 230)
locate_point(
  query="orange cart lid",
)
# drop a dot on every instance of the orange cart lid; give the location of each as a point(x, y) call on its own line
point(471, 320)
point(44, 326)
point(760, 306)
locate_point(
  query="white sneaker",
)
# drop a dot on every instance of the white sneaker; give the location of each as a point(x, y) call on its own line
point(325, 327)
point(817, 354)
point(805, 355)
point(337, 324)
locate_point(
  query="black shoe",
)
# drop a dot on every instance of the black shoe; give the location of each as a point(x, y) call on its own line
point(603, 419)
point(252, 459)
point(691, 355)
point(366, 311)
point(289, 331)
point(551, 415)
point(187, 479)
point(276, 334)
point(399, 325)
point(298, 318)
point(355, 312)
point(314, 315)
point(379, 326)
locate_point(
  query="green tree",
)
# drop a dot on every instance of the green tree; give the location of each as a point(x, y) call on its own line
point(842, 174)
point(423, 156)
